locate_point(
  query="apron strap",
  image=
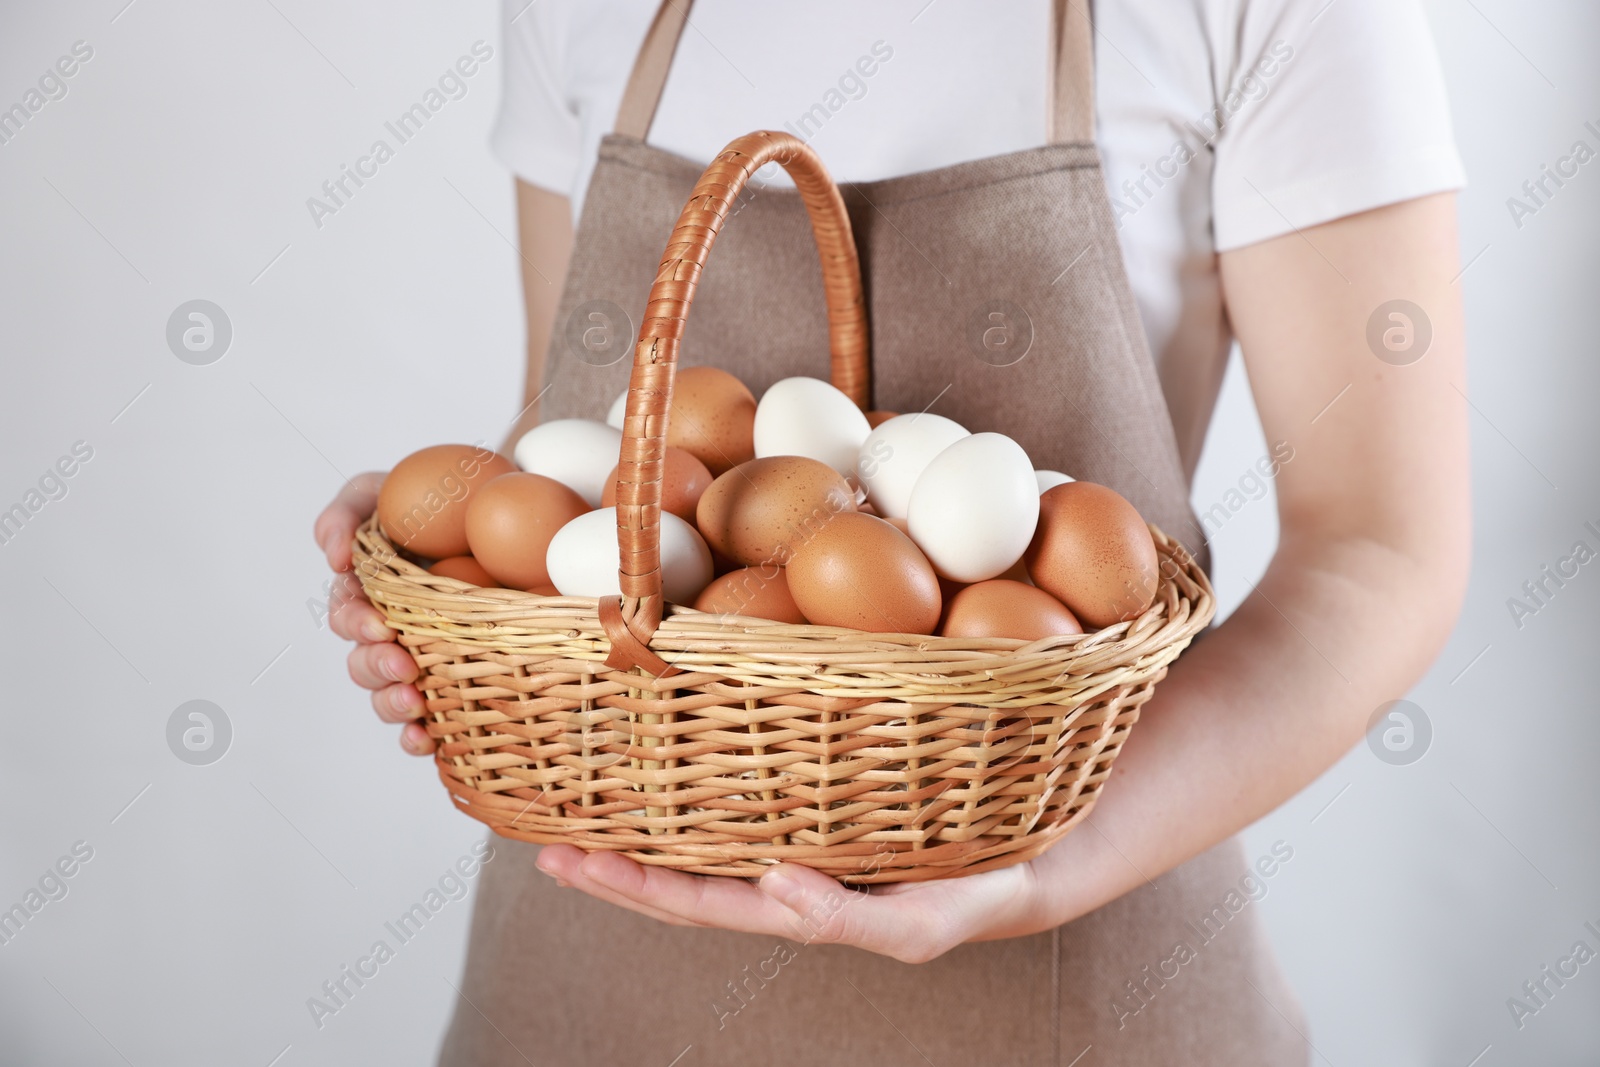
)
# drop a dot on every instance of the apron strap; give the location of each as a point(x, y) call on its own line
point(649, 75)
point(1069, 101)
point(1070, 106)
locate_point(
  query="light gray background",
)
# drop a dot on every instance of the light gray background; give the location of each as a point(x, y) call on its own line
point(179, 566)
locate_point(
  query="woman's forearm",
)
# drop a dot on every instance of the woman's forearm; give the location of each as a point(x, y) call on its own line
point(1255, 711)
point(1375, 517)
point(544, 227)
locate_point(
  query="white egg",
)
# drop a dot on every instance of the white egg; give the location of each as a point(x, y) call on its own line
point(619, 410)
point(975, 507)
point(1051, 479)
point(808, 417)
point(578, 453)
point(583, 558)
point(896, 453)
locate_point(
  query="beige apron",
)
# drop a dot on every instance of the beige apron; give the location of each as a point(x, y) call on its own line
point(996, 294)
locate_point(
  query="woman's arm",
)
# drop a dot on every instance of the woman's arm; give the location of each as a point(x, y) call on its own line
point(1360, 596)
point(1372, 553)
point(544, 232)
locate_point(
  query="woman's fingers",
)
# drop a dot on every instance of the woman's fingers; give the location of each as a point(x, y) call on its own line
point(911, 922)
point(913, 925)
point(565, 862)
point(353, 618)
point(398, 703)
point(729, 903)
point(415, 740)
point(377, 662)
point(336, 526)
point(379, 666)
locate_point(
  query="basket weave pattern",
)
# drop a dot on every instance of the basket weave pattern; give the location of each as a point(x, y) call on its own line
point(872, 757)
point(720, 744)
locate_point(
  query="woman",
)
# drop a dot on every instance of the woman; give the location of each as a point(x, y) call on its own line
point(1275, 172)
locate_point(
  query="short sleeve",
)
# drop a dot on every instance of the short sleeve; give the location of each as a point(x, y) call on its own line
point(537, 133)
point(1328, 114)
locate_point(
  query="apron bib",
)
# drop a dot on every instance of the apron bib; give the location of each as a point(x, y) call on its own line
point(997, 297)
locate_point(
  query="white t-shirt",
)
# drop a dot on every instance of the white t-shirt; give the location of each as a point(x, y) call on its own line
point(1221, 122)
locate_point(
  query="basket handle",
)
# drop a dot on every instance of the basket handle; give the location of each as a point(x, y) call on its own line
point(631, 619)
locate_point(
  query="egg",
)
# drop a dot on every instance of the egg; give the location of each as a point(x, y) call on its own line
point(544, 590)
point(859, 571)
point(759, 511)
point(1051, 479)
point(511, 520)
point(684, 480)
point(464, 569)
point(1094, 553)
point(974, 509)
point(878, 418)
point(754, 592)
point(583, 559)
point(422, 506)
point(808, 417)
point(1003, 608)
point(895, 454)
point(712, 417)
point(578, 453)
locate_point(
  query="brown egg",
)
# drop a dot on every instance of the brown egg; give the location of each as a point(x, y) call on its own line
point(422, 505)
point(713, 418)
point(464, 569)
point(755, 592)
point(878, 418)
point(1000, 607)
point(510, 523)
point(860, 572)
point(683, 480)
point(1093, 552)
point(759, 511)
point(544, 590)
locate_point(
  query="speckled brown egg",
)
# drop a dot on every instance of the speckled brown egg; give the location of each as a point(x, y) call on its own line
point(859, 571)
point(422, 506)
point(1000, 607)
point(1093, 552)
point(713, 417)
point(759, 511)
point(464, 569)
point(684, 479)
point(510, 523)
point(754, 592)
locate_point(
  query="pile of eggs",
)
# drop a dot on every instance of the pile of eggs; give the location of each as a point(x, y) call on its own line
point(798, 509)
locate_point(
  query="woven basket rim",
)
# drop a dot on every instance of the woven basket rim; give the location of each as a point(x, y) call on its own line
point(515, 623)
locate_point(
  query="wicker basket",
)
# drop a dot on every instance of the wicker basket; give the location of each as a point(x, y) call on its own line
point(721, 745)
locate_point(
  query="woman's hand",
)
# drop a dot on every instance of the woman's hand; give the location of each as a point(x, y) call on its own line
point(913, 922)
point(377, 662)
